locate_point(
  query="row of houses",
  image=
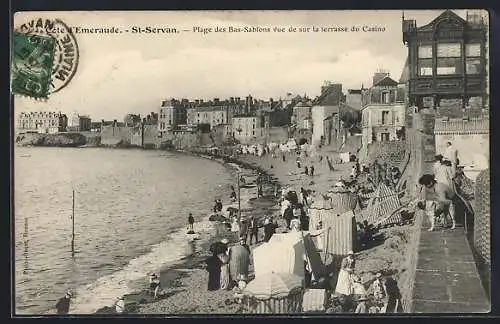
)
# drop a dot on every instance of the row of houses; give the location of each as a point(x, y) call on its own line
point(48, 122)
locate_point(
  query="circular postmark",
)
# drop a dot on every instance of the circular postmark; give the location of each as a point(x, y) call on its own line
point(66, 53)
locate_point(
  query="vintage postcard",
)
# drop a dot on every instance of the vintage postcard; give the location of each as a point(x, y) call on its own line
point(251, 162)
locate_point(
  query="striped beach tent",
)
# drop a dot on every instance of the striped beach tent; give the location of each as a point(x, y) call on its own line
point(382, 208)
point(274, 293)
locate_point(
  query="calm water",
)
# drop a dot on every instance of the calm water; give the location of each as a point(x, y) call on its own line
point(130, 214)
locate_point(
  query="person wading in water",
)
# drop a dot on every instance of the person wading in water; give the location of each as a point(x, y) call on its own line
point(190, 222)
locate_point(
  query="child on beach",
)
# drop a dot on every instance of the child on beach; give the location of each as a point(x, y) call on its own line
point(154, 285)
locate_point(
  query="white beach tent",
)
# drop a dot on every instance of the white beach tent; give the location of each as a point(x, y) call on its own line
point(284, 253)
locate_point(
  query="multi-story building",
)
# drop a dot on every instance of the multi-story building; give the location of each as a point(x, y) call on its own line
point(301, 116)
point(447, 59)
point(42, 122)
point(217, 112)
point(211, 115)
point(79, 123)
point(325, 114)
point(172, 114)
point(247, 129)
point(383, 115)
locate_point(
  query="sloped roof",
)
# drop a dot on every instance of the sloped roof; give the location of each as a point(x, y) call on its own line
point(405, 73)
point(387, 81)
point(448, 15)
point(479, 125)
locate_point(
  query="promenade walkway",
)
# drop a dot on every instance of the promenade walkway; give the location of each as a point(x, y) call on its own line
point(446, 276)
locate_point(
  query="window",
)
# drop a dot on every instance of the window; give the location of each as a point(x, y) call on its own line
point(425, 51)
point(449, 65)
point(253, 133)
point(386, 98)
point(385, 117)
point(449, 50)
point(473, 50)
point(425, 67)
point(473, 60)
point(170, 122)
point(449, 59)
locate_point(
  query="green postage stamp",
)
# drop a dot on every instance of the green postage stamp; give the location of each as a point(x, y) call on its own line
point(45, 57)
point(32, 61)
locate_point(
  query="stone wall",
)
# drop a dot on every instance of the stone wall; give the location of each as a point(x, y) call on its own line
point(392, 153)
point(114, 135)
point(150, 138)
point(482, 215)
point(277, 134)
point(180, 141)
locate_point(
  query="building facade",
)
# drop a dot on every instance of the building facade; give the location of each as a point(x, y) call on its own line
point(324, 119)
point(247, 129)
point(447, 60)
point(301, 116)
point(172, 114)
point(384, 114)
point(79, 123)
point(42, 122)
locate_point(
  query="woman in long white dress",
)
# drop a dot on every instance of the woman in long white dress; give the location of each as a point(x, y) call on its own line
point(224, 271)
point(344, 281)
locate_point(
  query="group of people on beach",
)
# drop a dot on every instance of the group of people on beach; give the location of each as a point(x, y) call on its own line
point(350, 295)
point(227, 267)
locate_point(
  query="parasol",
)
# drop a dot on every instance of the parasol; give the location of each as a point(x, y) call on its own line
point(273, 285)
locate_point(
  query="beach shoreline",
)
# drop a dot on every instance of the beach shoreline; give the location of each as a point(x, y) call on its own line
point(172, 276)
point(184, 281)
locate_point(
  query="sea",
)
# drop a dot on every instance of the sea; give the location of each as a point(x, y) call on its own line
point(130, 218)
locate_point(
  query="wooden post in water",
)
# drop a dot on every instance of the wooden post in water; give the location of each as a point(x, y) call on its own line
point(73, 226)
point(239, 200)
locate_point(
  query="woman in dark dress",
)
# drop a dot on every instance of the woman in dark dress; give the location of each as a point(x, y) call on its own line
point(213, 267)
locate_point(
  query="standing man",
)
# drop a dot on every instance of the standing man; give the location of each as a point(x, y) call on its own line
point(62, 305)
point(312, 170)
point(190, 222)
point(254, 230)
point(259, 186)
point(451, 154)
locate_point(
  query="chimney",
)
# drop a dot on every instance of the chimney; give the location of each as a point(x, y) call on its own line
point(379, 75)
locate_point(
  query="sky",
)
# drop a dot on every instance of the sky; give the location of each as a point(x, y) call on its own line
point(132, 73)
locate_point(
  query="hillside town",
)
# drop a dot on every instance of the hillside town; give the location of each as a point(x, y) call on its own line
point(386, 137)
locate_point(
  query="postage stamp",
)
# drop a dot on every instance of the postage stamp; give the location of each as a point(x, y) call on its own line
point(46, 37)
point(32, 62)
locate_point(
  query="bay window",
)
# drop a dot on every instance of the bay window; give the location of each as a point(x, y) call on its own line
point(449, 59)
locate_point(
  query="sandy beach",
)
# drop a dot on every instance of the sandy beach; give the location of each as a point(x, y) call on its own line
point(185, 285)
